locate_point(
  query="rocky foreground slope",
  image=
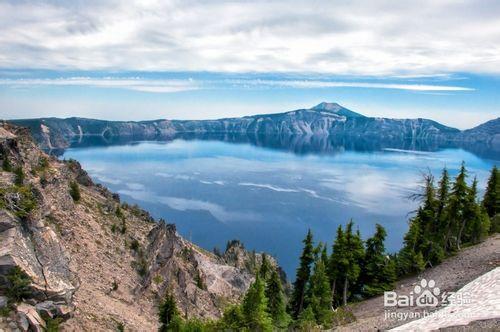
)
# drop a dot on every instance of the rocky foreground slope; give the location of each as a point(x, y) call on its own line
point(325, 119)
point(93, 262)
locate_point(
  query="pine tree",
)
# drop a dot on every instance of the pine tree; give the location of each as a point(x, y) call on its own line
point(378, 271)
point(491, 200)
point(254, 307)
point(409, 259)
point(337, 264)
point(319, 292)
point(478, 222)
point(169, 314)
point(354, 254)
point(265, 268)
point(459, 199)
point(303, 273)
point(276, 305)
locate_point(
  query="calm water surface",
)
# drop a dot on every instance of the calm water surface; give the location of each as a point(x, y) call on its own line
point(266, 197)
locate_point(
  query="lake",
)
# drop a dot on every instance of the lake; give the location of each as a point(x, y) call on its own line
point(268, 192)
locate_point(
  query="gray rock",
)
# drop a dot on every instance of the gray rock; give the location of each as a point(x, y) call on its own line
point(46, 309)
point(26, 312)
point(3, 301)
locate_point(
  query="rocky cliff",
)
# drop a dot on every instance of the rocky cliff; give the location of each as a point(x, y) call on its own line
point(92, 261)
point(325, 119)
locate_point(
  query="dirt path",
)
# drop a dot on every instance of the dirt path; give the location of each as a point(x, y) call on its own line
point(450, 276)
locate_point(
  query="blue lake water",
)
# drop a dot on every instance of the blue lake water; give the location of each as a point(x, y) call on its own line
point(268, 197)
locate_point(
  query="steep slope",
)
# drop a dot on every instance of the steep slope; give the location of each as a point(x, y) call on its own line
point(488, 132)
point(96, 262)
point(325, 119)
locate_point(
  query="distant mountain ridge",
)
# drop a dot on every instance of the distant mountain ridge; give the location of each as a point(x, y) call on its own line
point(324, 119)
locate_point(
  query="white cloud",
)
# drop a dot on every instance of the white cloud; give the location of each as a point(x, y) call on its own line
point(178, 85)
point(342, 37)
point(137, 84)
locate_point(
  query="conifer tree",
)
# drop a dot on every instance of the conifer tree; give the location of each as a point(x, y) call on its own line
point(409, 259)
point(337, 264)
point(254, 307)
point(276, 305)
point(354, 255)
point(303, 273)
point(169, 314)
point(378, 272)
point(319, 292)
point(265, 268)
point(459, 200)
point(491, 200)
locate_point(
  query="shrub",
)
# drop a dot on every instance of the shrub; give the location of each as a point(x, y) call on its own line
point(134, 245)
point(18, 285)
point(74, 191)
point(53, 324)
point(19, 179)
point(158, 279)
point(18, 199)
point(6, 165)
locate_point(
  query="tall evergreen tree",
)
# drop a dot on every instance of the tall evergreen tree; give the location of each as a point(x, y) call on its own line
point(254, 307)
point(378, 272)
point(409, 259)
point(354, 255)
point(265, 268)
point(297, 303)
point(491, 200)
point(337, 264)
point(276, 305)
point(319, 292)
point(169, 314)
point(459, 200)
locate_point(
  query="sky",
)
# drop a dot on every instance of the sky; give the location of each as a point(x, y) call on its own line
point(191, 59)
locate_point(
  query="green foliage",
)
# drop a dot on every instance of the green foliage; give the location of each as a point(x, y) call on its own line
point(276, 305)
point(297, 303)
point(169, 316)
point(6, 165)
point(18, 199)
point(232, 319)
point(265, 267)
point(491, 200)
point(19, 176)
point(157, 279)
point(446, 219)
point(74, 191)
point(319, 293)
point(306, 320)
point(254, 307)
point(342, 316)
point(17, 285)
point(379, 271)
point(199, 280)
point(52, 324)
point(135, 245)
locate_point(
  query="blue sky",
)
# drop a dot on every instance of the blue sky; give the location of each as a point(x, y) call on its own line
point(210, 59)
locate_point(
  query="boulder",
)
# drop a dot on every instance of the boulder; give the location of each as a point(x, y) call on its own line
point(46, 309)
point(3, 301)
point(26, 312)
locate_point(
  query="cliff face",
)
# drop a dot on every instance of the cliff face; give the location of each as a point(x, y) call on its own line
point(325, 119)
point(95, 262)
